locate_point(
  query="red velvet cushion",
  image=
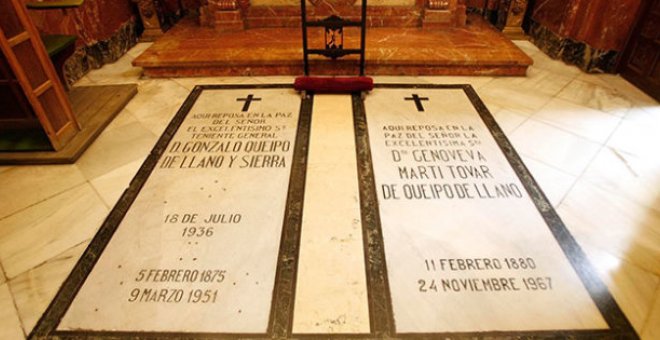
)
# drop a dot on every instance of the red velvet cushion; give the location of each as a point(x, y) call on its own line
point(334, 84)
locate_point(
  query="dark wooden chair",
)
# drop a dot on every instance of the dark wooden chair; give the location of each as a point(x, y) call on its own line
point(334, 48)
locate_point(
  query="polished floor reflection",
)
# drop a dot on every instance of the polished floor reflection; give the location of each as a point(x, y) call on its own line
point(589, 140)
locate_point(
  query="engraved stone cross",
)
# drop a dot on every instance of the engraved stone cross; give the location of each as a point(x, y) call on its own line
point(250, 98)
point(418, 101)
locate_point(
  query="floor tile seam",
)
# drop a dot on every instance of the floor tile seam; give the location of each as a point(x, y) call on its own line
point(18, 315)
point(84, 78)
point(579, 177)
point(645, 204)
point(141, 158)
point(509, 134)
point(112, 78)
point(12, 257)
point(606, 146)
point(527, 48)
point(582, 244)
point(563, 172)
point(166, 112)
point(532, 88)
point(3, 272)
point(175, 82)
point(629, 200)
point(627, 110)
point(574, 179)
point(588, 107)
point(170, 109)
point(50, 259)
point(13, 301)
point(584, 171)
point(646, 324)
point(90, 178)
point(607, 86)
point(169, 118)
point(132, 54)
point(565, 129)
point(554, 93)
point(626, 260)
point(517, 126)
point(486, 83)
point(621, 153)
point(524, 111)
point(598, 75)
point(551, 68)
point(627, 121)
point(631, 121)
point(518, 111)
point(210, 80)
point(646, 106)
point(130, 112)
point(558, 59)
point(551, 73)
point(542, 107)
point(623, 257)
point(614, 87)
point(2, 218)
point(108, 170)
point(98, 195)
point(126, 56)
point(635, 152)
point(534, 53)
point(136, 54)
point(562, 129)
point(575, 102)
point(620, 116)
point(121, 68)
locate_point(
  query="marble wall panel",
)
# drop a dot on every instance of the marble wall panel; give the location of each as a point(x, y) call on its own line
point(550, 13)
point(106, 29)
point(587, 33)
point(94, 21)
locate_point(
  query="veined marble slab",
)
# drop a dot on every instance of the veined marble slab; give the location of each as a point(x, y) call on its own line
point(466, 248)
point(255, 218)
point(331, 290)
point(198, 249)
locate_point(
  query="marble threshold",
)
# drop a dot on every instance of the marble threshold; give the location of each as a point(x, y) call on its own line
point(476, 49)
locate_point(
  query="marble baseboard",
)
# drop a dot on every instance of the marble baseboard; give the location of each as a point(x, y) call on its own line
point(392, 70)
point(577, 53)
point(103, 52)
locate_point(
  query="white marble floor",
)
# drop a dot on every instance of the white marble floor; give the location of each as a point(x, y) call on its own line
point(590, 141)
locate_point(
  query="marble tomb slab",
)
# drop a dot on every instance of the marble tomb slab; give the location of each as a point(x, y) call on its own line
point(469, 244)
point(191, 255)
point(261, 213)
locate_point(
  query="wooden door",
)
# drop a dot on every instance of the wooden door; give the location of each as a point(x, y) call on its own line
point(24, 52)
point(641, 59)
